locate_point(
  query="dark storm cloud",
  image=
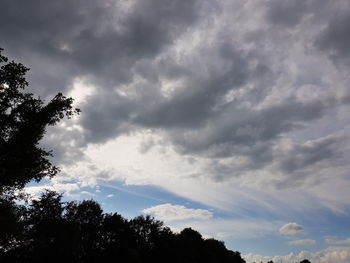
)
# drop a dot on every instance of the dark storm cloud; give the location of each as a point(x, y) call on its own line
point(244, 130)
point(94, 39)
point(195, 103)
point(229, 98)
point(335, 38)
point(289, 13)
point(332, 16)
point(72, 38)
point(146, 106)
point(36, 31)
point(286, 12)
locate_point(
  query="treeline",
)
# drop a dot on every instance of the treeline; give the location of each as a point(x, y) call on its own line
point(50, 230)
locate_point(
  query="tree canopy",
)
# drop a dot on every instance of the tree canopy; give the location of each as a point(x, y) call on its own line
point(50, 230)
point(23, 121)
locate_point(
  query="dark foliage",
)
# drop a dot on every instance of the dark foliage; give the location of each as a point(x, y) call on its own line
point(49, 230)
point(23, 120)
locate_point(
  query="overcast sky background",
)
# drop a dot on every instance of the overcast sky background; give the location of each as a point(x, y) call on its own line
point(231, 117)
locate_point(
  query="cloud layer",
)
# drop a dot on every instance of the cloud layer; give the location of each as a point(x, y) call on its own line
point(185, 71)
point(240, 105)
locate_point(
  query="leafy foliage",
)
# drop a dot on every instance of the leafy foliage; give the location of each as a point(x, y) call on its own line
point(47, 229)
point(23, 120)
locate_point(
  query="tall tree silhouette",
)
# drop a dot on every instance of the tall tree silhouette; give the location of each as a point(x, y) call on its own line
point(23, 120)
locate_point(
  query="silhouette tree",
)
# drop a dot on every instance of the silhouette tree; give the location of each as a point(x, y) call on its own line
point(11, 226)
point(47, 229)
point(147, 233)
point(305, 261)
point(191, 245)
point(87, 218)
point(23, 120)
point(117, 239)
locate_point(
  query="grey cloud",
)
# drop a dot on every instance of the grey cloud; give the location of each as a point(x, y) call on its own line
point(301, 156)
point(67, 145)
point(97, 40)
point(145, 106)
point(309, 163)
point(286, 12)
point(107, 116)
point(290, 13)
point(197, 120)
point(229, 100)
point(254, 135)
point(245, 127)
point(194, 104)
point(335, 38)
point(75, 38)
point(35, 31)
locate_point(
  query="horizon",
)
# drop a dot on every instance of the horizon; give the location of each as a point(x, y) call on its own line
point(229, 117)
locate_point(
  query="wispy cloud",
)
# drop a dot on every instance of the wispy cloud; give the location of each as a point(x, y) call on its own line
point(332, 241)
point(169, 212)
point(302, 242)
point(291, 229)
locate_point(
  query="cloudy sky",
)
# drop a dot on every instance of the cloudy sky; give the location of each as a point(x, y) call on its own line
point(231, 117)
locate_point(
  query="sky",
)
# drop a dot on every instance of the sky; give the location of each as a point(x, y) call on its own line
point(230, 117)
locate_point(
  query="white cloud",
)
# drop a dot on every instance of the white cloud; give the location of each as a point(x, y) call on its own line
point(169, 212)
point(66, 188)
point(110, 196)
point(332, 241)
point(87, 193)
point(302, 242)
point(80, 91)
point(228, 229)
point(291, 229)
point(329, 255)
